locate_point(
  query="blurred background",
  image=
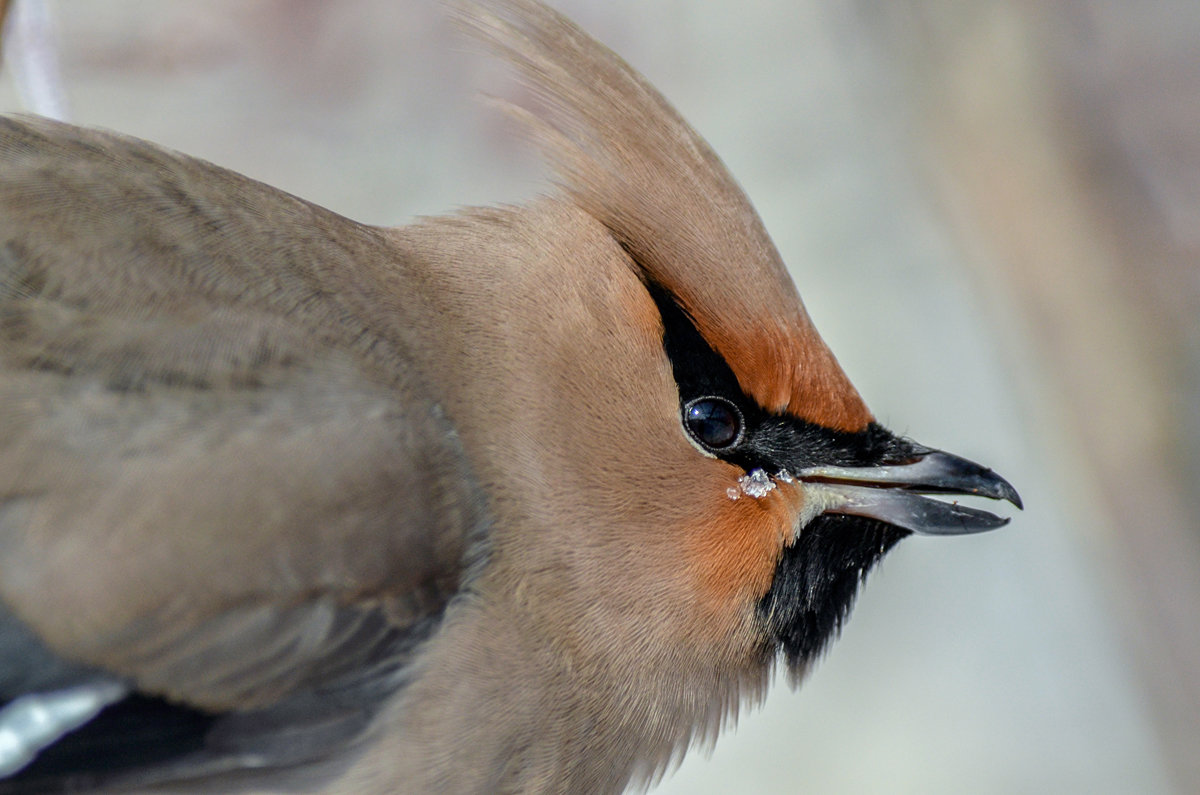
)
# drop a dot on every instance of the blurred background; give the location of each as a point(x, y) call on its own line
point(992, 210)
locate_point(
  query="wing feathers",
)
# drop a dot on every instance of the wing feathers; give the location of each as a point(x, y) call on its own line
point(218, 475)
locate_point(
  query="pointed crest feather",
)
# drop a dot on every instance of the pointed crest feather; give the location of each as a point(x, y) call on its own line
point(627, 158)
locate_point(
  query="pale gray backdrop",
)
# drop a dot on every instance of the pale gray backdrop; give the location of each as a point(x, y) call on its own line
point(1014, 662)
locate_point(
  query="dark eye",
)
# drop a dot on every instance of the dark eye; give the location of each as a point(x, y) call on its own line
point(713, 422)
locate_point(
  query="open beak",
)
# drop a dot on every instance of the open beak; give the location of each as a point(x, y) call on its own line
point(894, 493)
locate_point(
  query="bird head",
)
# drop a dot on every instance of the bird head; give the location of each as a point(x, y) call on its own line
point(798, 490)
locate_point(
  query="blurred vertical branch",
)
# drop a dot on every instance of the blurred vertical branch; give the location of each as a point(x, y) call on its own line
point(30, 53)
point(1063, 140)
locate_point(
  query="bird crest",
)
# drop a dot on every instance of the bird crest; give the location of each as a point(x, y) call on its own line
point(623, 154)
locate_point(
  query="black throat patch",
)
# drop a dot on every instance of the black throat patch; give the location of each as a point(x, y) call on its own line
point(817, 580)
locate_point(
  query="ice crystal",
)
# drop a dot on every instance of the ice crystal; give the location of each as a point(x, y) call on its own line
point(757, 483)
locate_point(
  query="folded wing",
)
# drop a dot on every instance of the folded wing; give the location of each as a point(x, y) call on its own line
point(220, 482)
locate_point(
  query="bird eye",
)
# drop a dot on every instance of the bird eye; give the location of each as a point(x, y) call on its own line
point(713, 422)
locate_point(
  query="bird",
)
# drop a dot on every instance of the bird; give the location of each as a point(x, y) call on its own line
point(525, 498)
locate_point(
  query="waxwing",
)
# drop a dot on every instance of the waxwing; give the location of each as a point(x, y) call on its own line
point(520, 499)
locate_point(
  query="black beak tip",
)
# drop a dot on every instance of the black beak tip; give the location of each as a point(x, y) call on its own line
point(967, 477)
point(1005, 491)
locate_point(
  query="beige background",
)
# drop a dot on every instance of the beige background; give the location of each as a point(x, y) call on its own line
point(993, 213)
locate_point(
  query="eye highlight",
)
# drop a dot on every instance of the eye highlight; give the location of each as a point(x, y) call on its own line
point(714, 422)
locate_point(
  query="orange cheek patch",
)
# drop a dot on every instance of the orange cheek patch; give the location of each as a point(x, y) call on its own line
point(734, 546)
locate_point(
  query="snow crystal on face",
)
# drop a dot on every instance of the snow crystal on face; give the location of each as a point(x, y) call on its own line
point(757, 483)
